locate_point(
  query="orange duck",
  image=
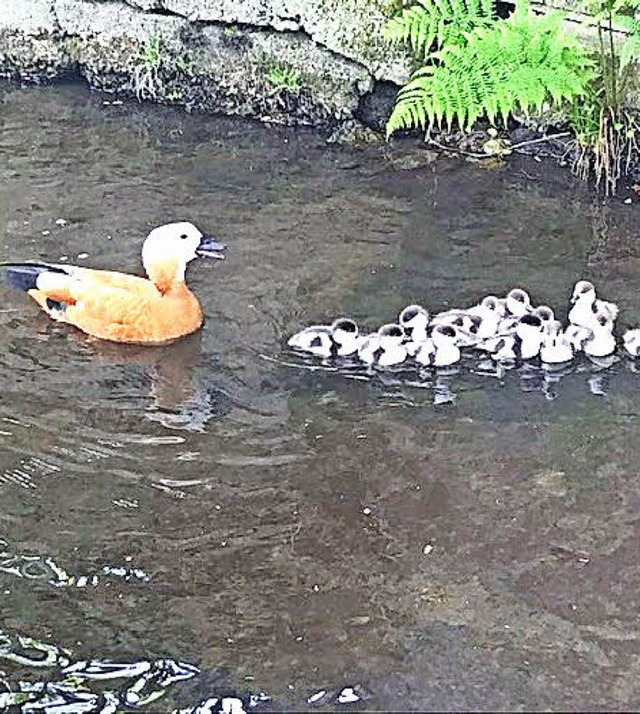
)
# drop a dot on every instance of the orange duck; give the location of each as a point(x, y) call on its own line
point(121, 307)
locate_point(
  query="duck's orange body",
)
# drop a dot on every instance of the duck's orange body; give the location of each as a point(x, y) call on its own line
point(121, 307)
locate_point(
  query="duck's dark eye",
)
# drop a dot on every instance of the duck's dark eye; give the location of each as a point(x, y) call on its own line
point(184, 236)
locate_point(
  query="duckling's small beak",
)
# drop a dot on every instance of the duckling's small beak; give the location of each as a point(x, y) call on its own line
point(210, 248)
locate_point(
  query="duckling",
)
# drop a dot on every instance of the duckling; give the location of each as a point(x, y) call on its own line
point(586, 305)
point(466, 327)
point(529, 332)
point(544, 312)
point(518, 302)
point(414, 320)
point(631, 341)
point(503, 348)
point(441, 349)
point(555, 348)
point(601, 342)
point(448, 317)
point(346, 335)
point(552, 327)
point(577, 336)
point(507, 326)
point(524, 343)
point(498, 305)
point(385, 348)
point(491, 310)
point(341, 339)
point(315, 339)
point(465, 323)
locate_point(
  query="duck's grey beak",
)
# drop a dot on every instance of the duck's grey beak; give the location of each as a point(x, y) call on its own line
point(210, 248)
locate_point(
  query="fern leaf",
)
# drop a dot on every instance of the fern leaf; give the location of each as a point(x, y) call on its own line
point(435, 24)
point(518, 63)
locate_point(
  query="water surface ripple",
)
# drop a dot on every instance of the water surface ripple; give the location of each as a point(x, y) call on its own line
point(221, 519)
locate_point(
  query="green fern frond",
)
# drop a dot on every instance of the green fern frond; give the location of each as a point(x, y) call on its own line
point(629, 51)
point(410, 110)
point(437, 23)
point(518, 63)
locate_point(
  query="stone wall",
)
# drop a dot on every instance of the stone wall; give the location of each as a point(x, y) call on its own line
point(306, 61)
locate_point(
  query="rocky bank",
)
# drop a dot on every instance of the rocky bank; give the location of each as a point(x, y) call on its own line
point(316, 62)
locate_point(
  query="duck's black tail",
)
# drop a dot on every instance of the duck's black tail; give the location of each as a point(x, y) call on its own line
point(24, 276)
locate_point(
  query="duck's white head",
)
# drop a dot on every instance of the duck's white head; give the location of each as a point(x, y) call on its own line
point(169, 248)
point(585, 291)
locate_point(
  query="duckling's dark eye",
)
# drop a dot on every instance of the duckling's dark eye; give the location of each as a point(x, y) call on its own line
point(184, 236)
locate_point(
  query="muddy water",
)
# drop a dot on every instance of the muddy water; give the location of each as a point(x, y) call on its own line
point(455, 541)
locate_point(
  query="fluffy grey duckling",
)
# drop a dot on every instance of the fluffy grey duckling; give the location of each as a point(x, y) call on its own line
point(601, 342)
point(385, 347)
point(523, 344)
point(631, 342)
point(556, 347)
point(340, 339)
point(586, 305)
point(440, 350)
point(414, 320)
point(491, 311)
point(518, 302)
point(545, 313)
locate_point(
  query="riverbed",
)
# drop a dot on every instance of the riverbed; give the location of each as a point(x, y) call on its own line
point(281, 530)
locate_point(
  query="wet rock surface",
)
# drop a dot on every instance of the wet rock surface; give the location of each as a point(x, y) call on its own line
point(284, 62)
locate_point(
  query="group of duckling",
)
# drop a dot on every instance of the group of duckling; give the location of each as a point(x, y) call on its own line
point(508, 329)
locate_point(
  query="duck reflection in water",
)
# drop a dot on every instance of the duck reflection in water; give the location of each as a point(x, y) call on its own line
point(181, 396)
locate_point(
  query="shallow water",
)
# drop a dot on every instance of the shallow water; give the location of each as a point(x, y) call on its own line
point(448, 541)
